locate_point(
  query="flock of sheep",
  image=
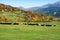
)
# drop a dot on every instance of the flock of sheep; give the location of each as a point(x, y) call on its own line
point(32, 24)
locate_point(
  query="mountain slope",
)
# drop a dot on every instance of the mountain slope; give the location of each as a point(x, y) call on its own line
point(14, 14)
point(50, 9)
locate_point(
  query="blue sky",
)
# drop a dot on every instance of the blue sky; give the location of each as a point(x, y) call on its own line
point(27, 3)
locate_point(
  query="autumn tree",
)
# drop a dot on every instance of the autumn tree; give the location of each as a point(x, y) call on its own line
point(50, 18)
point(35, 19)
point(0, 19)
point(6, 19)
point(19, 19)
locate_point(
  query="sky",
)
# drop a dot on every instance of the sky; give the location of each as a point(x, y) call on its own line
point(27, 3)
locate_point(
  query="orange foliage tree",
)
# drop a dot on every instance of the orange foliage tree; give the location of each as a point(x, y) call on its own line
point(35, 18)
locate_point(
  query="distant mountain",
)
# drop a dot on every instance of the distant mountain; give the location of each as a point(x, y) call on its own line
point(49, 9)
point(21, 7)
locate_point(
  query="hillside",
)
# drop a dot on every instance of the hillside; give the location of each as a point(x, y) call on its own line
point(14, 14)
point(49, 9)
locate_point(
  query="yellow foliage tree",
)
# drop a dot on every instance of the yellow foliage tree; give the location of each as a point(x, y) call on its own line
point(50, 18)
point(36, 18)
point(6, 19)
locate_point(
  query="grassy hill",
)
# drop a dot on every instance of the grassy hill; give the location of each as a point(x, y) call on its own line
point(14, 14)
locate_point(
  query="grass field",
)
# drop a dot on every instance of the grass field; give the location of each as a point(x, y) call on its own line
point(26, 32)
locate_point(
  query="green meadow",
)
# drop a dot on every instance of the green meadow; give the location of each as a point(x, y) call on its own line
point(27, 32)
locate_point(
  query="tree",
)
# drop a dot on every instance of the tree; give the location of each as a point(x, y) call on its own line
point(19, 19)
point(35, 19)
point(0, 19)
point(50, 18)
point(6, 19)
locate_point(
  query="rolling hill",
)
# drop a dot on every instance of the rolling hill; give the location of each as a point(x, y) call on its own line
point(14, 14)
